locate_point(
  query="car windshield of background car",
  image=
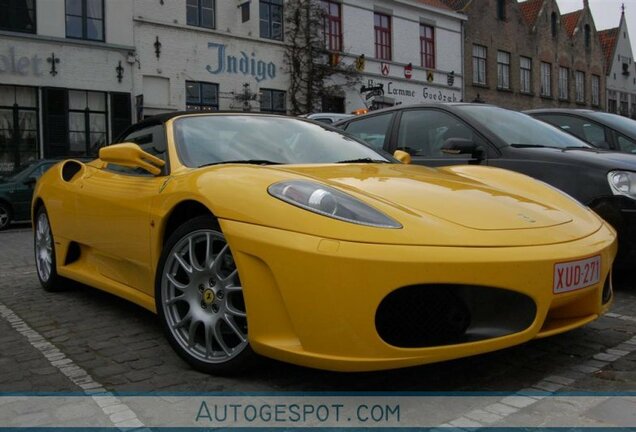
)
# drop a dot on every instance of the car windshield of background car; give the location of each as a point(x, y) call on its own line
point(521, 130)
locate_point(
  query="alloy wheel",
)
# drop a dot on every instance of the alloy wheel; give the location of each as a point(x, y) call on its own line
point(43, 247)
point(202, 298)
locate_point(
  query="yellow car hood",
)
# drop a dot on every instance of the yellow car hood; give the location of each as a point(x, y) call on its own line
point(453, 198)
point(455, 206)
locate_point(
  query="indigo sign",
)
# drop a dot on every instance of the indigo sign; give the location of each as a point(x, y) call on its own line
point(242, 64)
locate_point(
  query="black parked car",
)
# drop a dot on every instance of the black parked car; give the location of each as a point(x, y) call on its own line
point(600, 129)
point(16, 192)
point(448, 134)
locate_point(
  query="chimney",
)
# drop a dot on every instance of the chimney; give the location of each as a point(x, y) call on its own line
point(586, 4)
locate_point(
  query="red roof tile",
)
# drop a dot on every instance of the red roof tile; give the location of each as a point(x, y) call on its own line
point(608, 43)
point(530, 10)
point(570, 20)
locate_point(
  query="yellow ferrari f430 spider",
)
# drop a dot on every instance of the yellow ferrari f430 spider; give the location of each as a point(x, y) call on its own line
point(257, 234)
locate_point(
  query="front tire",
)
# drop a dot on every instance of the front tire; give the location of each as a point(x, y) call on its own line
point(44, 246)
point(199, 299)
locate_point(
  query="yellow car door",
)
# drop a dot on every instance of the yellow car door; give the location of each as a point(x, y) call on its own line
point(113, 208)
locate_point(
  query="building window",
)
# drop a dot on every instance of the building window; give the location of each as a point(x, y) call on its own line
point(120, 114)
point(200, 13)
point(202, 96)
point(382, 24)
point(525, 68)
point(333, 25)
point(86, 122)
point(588, 36)
point(554, 22)
point(624, 104)
point(633, 105)
point(85, 19)
point(596, 90)
point(479, 64)
point(580, 87)
point(612, 103)
point(245, 11)
point(271, 12)
point(273, 101)
point(564, 88)
point(501, 9)
point(18, 127)
point(427, 46)
point(17, 15)
point(546, 79)
point(503, 70)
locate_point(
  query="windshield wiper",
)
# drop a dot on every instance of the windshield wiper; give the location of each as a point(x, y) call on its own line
point(245, 161)
point(527, 146)
point(363, 160)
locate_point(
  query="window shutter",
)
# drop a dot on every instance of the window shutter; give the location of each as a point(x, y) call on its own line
point(120, 114)
point(55, 122)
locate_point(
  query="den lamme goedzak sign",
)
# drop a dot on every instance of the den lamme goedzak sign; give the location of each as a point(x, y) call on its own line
point(411, 93)
point(240, 64)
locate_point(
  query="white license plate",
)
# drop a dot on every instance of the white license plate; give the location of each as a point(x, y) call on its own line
point(575, 275)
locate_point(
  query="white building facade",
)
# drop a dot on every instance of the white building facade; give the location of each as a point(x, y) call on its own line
point(621, 70)
point(412, 48)
point(65, 77)
point(75, 73)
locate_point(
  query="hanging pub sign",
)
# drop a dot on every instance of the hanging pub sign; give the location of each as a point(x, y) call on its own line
point(372, 90)
point(408, 71)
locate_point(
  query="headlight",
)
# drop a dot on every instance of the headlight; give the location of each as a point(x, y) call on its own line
point(330, 202)
point(623, 183)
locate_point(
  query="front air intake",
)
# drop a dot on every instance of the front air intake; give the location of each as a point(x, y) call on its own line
point(435, 315)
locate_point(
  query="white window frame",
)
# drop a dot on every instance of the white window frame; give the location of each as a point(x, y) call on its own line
point(480, 60)
point(503, 70)
point(564, 88)
point(580, 86)
point(546, 79)
point(525, 74)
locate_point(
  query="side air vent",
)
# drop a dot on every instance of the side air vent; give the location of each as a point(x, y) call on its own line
point(71, 169)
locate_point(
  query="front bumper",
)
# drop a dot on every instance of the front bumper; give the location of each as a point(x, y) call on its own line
point(313, 301)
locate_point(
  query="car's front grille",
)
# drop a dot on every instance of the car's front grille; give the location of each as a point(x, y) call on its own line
point(434, 315)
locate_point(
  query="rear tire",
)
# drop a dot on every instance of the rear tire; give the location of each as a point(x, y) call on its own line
point(44, 247)
point(5, 216)
point(199, 300)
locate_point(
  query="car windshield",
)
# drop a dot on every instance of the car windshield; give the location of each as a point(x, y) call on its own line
point(616, 121)
point(521, 130)
point(218, 139)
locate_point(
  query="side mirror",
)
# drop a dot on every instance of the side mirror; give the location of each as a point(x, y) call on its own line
point(402, 156)
point(30, 181)
point(457, 146)
point(131, 155)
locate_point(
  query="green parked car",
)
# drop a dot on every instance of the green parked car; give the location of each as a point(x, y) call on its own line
point(16, 192)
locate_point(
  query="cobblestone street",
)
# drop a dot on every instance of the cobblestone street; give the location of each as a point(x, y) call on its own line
point(118, 346)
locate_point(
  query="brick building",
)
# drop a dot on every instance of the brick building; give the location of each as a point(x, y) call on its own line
point(524, 55)
point(620, 69)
